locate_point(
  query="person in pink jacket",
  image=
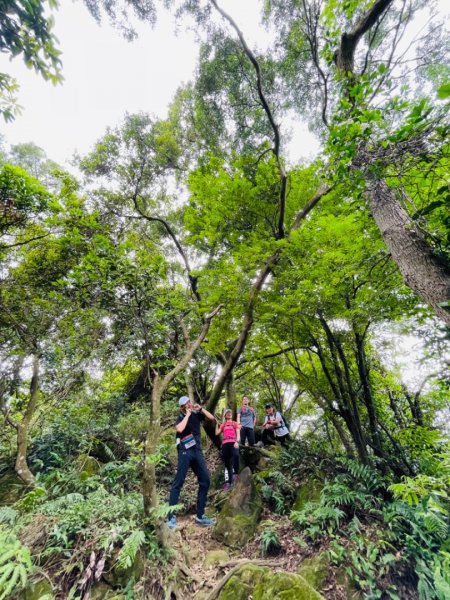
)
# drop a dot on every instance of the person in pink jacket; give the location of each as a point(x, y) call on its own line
point(230, 431)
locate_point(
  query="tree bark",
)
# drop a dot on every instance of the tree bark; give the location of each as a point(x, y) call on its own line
point(426, 274)
point(149, 489)
point(23, 427)
point(367, 392)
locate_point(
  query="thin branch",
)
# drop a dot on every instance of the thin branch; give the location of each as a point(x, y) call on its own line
point(268, 111)
point(7, 246)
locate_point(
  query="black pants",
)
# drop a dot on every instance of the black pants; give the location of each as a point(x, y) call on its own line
point(269, 438)
point(230, 456)
point(249, 434)
point(192, 458)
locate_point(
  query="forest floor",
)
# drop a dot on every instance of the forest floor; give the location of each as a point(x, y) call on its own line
point(208, 562)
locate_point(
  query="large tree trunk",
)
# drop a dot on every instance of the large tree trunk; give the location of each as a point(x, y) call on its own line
point(425, 273)
point(23, 427)
point(149, 489)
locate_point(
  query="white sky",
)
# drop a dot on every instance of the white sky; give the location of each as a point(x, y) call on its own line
point(105, 76)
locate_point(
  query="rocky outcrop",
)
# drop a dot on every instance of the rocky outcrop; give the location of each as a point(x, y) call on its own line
point(262, 583)
point(237, 521)
point(258, 459)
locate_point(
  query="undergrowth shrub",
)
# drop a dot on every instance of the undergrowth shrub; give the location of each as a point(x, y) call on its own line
point(15, 564)
point(292, 465)
point(81, 534)
point(383, 541)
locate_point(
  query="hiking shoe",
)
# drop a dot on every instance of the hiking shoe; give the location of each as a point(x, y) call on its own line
point(205, 521)
point(226, 486)
point(259, 445)
point(172, 522)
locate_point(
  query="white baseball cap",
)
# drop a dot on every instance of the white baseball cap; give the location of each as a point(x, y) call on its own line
point(183, 400)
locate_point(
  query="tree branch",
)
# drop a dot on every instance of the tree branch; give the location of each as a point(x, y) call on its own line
point(270, 117)
point(344, 56)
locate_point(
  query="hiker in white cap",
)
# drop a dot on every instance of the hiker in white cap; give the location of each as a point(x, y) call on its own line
point(190, 456)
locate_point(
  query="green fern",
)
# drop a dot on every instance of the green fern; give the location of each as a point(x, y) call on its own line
point(442, 576)
point(130, 548)
point(270, 542)
point(162, 511)
point(15, 564)
point(55, 506)
point(8, 515)
point(434, 523)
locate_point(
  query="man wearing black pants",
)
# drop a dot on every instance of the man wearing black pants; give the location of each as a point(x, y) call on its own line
point(246, 418)
point(190, 456)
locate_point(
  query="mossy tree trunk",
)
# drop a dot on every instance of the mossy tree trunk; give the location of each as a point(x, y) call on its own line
point(23, 428)
point(160, 385)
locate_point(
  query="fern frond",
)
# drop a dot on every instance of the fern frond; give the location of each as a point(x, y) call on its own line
point(8, 515)
point(15, 564)
point(163, 510)
point(130, 548)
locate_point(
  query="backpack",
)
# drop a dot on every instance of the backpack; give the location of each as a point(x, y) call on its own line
point(228, 425)
point(286, 423)
point(283, 423)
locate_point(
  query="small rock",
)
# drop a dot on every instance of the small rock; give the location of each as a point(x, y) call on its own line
point(215, 557)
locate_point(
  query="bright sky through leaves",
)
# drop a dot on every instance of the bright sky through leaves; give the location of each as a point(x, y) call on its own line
point(106, 76)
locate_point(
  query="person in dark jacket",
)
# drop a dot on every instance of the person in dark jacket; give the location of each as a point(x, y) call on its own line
point(190, 456)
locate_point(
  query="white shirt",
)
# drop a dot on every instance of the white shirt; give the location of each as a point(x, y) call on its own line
point(281, 429)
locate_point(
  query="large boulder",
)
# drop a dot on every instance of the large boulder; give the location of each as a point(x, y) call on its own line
point(237, 521)
point(262, 583)
point(258, 459)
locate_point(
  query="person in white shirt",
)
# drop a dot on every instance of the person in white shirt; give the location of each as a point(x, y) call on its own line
point(274, 427)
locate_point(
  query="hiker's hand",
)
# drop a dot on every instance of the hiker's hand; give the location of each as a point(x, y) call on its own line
point(188, 412)
point(197, 407)
point(236, 444)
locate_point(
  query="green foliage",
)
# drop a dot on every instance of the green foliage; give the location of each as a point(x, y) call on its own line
point(8, 515)
point(130, 548)
point(269, 542)
point(26, 29)
point(349, 493)
point(442, 575)
point(20, 196)
point(104, 519)
point(32, 499)
point(15, 564)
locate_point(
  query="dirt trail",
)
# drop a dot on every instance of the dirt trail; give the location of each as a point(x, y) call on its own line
point(193, 543)
point(204, 568)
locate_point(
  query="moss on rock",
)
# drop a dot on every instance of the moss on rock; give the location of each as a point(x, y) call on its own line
point(119, 577)
point(12, 488)
point(309, 492)
point(88, 466)
point(39, 589)
point(261, 583)
point(237, 521)
point(215, 557)
point(315, 569)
